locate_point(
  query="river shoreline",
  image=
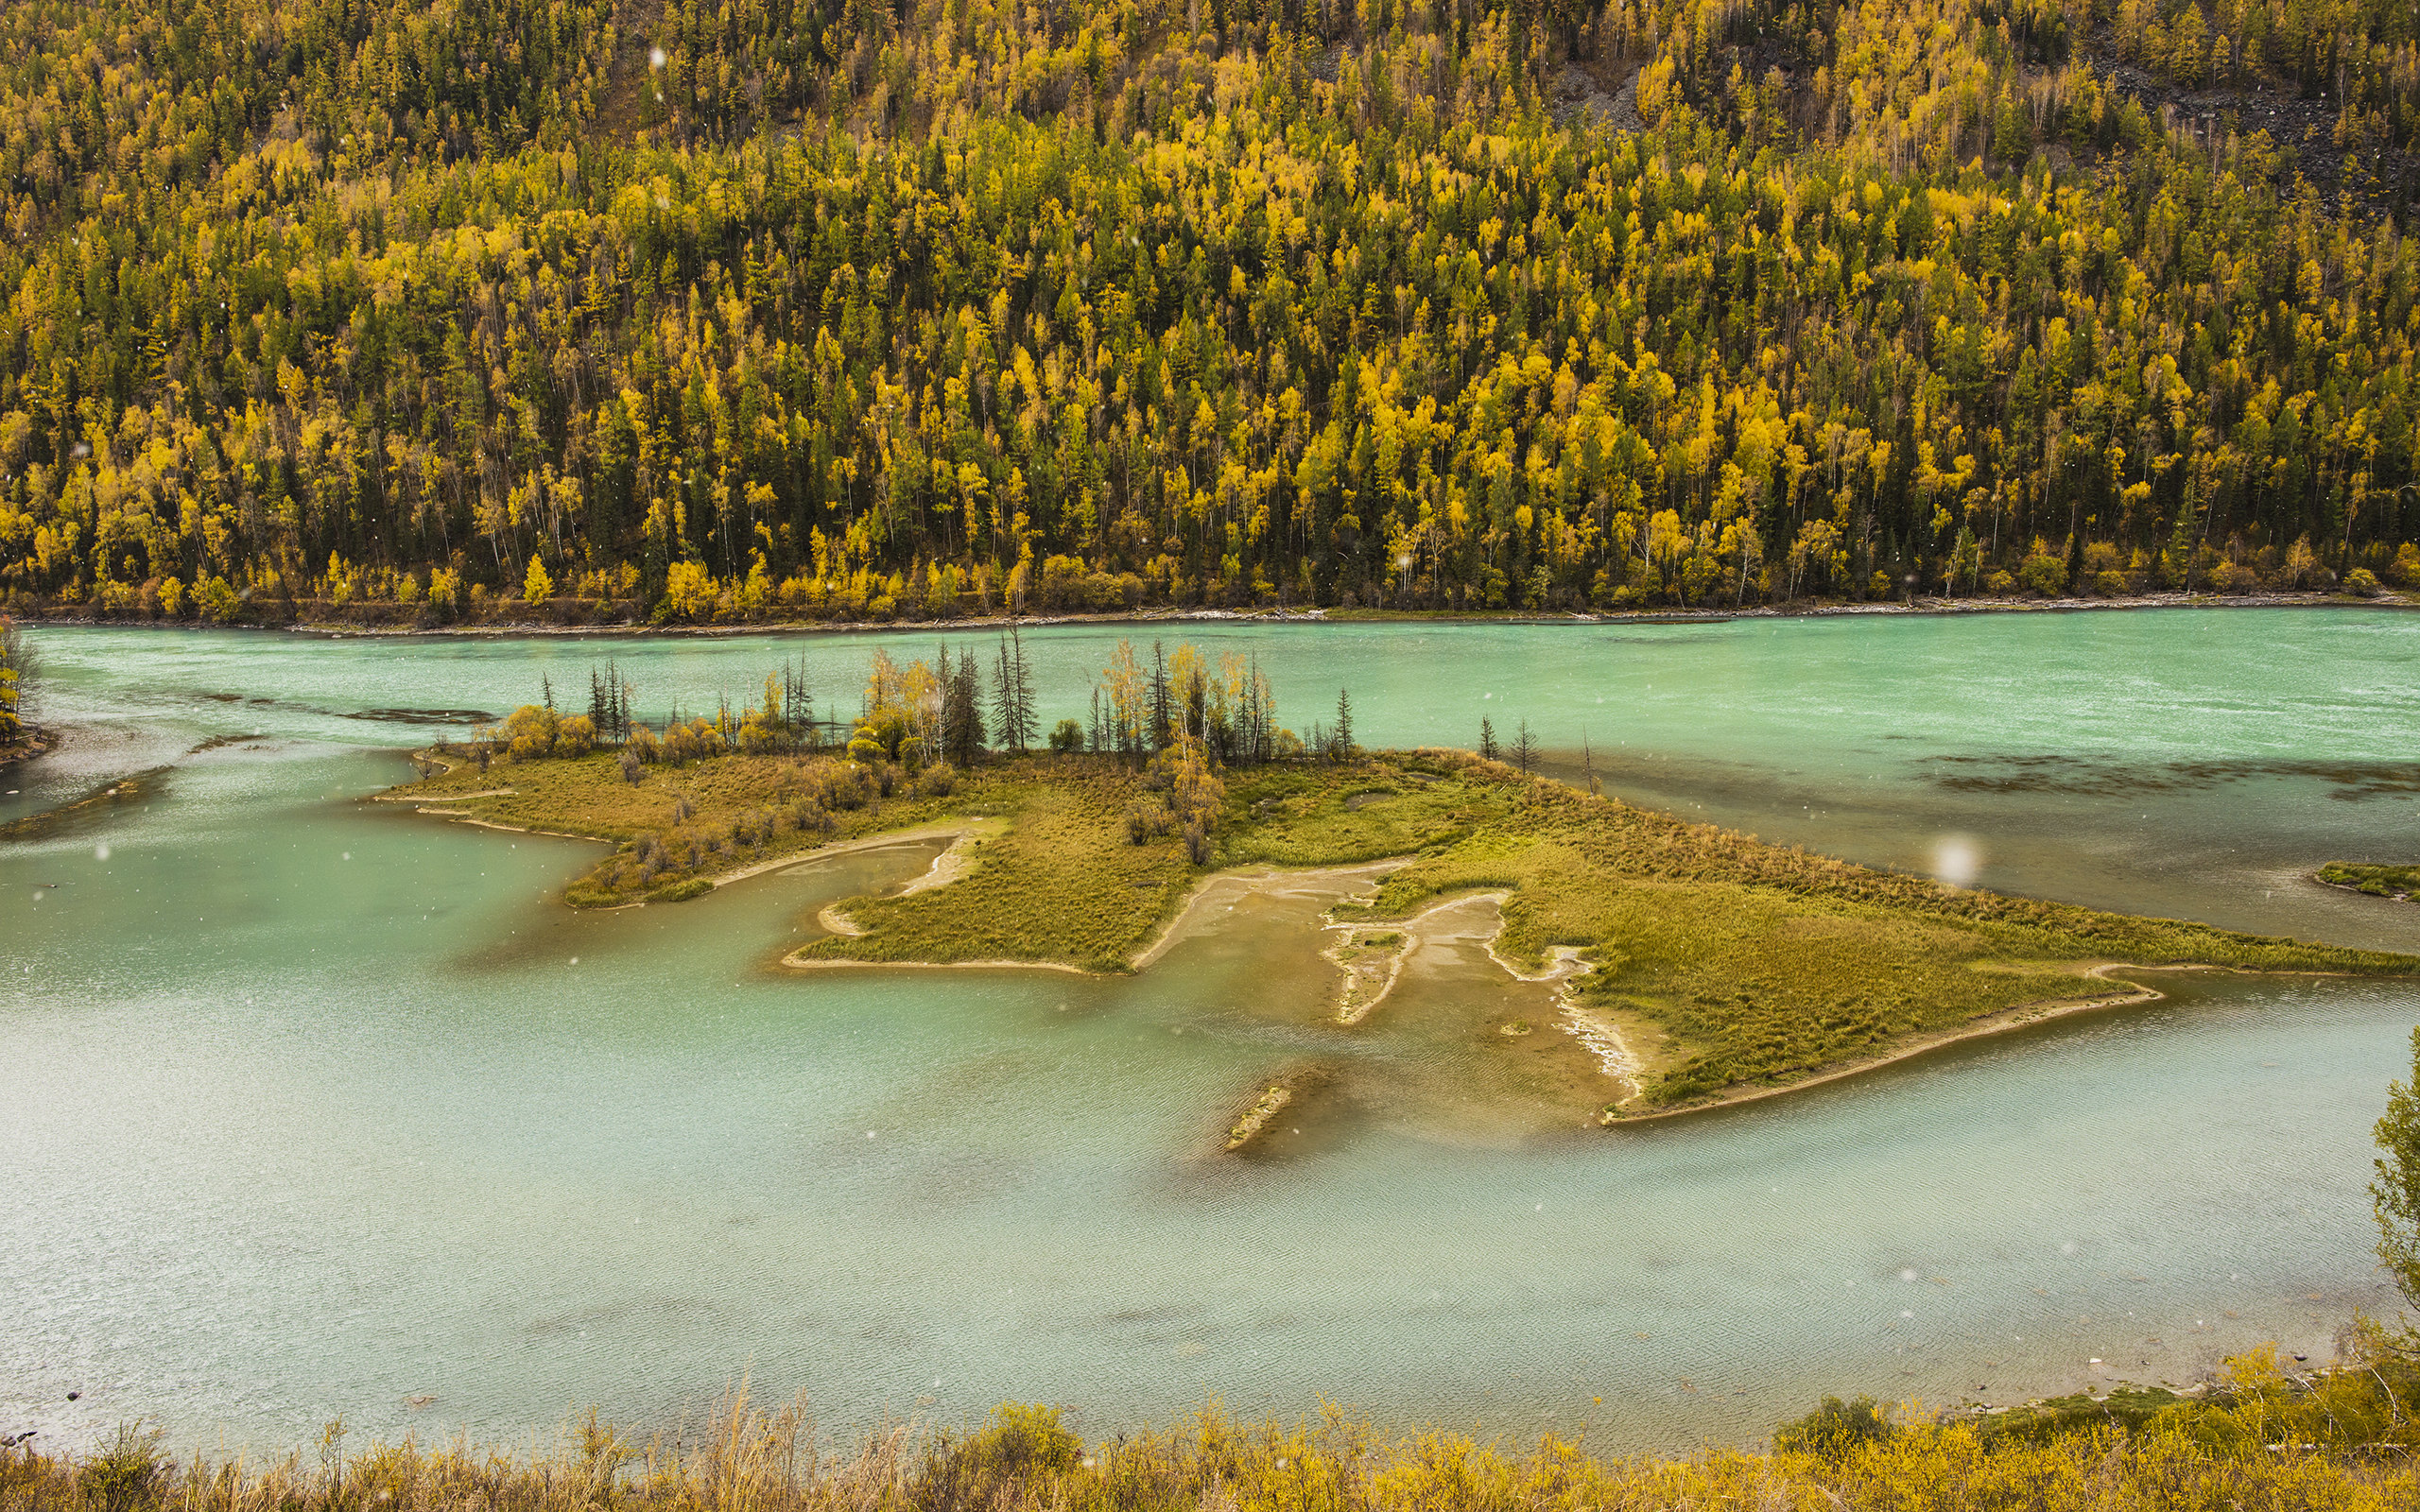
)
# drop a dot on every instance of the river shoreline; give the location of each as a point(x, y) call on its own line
point(2019, 1016)
point(1808, 610)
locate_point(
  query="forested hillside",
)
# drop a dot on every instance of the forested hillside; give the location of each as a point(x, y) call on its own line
point(747, 309)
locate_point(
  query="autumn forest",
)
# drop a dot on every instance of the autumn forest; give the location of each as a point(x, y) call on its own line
point(693, 310)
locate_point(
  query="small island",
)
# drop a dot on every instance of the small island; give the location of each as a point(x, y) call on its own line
point(2398, 883)
point(1690, 965)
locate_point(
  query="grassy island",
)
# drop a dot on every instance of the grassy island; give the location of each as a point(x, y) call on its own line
point(1702, 965)
point(2398, 883)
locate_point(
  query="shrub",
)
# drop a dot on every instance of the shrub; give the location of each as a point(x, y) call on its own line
point(126, 1475)
point(837, 785)
point(1145, 820)
point(2233, 577)
point(216, 600)
point(575, 736)
point(681, 891)
point(1067, 737)
point(1832, 1431)
point(631, 765)
point(938, 780)
point(2045, 574)
point(1022, 1443)
point(530, 733)
point(695, 741)
point(2361, 583)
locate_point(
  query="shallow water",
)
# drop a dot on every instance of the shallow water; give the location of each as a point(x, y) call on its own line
point(312, 1110)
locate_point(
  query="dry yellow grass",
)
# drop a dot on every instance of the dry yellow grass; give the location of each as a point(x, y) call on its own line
point(2258, 1444)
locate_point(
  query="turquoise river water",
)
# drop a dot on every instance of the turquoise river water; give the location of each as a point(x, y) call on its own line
point(310, 1108)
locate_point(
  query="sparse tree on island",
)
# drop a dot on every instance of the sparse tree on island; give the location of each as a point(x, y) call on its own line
point(1341, 738)
point(1128, 698)
point(608, 702)
point(1525, 749)
point(963, 730)
point(798, 706)
point(1162, 707)
point(1024, 670)
point(1259, 725)
point(1012, 696)
point(1487, 745)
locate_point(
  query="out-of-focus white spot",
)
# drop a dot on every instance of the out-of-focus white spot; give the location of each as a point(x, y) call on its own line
point(655, 58)
point(100, 852)
point(1956, 860)
point(2068, 1247)
point(347, 855)
point(1908, 1273)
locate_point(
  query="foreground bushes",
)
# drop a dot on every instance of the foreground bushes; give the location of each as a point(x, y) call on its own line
point(1027, 1457)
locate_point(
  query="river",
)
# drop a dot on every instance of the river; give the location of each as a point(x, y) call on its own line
point(317, 1110)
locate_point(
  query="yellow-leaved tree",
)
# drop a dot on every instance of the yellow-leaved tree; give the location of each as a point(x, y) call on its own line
point(537, 587)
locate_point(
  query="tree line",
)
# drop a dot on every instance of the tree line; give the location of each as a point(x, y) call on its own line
point(863, 312)
point(955, 708)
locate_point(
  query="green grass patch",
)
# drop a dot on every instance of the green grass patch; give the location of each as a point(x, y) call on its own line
point(1062, 883)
